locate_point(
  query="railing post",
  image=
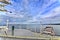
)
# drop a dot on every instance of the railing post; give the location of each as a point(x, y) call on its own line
point(13, 30)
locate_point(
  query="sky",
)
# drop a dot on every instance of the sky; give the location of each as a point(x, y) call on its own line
point(33, 10)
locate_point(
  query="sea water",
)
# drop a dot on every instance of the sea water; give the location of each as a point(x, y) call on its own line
point(34, 27)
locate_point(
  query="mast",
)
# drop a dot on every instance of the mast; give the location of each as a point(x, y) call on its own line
point(41, 25)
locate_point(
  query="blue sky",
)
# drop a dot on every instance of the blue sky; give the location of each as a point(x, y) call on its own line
point(32, 7)
point(33, 10)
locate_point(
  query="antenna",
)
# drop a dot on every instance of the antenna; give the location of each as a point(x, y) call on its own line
point(7, 22)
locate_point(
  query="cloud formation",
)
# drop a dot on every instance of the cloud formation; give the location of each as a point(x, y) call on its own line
point(52, 13)
point(33, 10)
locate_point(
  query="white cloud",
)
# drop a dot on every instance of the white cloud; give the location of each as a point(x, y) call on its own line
point(44, 6)
point(32, 20)
point(0, 20)
point(14, 15)
point(52, 13)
